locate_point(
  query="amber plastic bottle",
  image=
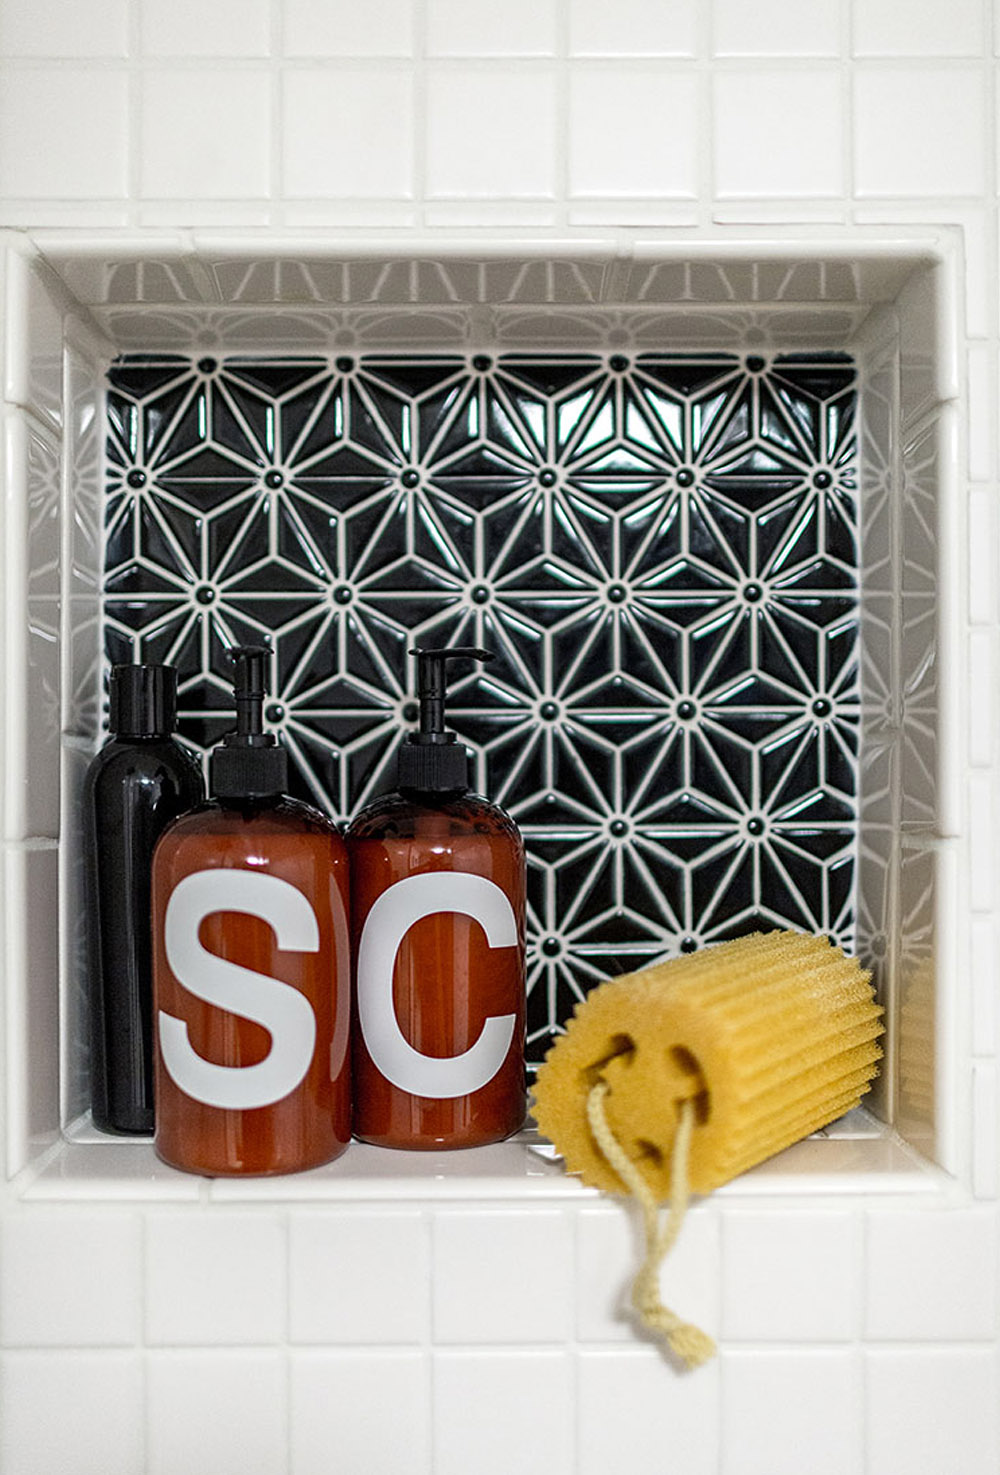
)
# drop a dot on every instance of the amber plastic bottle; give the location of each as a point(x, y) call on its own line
point(251, 957)
point(438, 905)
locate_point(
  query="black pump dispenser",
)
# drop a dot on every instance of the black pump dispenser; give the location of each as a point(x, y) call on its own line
point(432, 760)
point(251, 763)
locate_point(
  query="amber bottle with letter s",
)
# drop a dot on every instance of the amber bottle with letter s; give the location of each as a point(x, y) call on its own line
point(251, 966)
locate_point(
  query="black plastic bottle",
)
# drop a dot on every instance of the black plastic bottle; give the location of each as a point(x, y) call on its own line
point(140, 781)
point(438, 912)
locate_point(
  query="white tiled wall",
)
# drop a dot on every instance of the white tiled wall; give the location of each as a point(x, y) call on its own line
point(443, 1338)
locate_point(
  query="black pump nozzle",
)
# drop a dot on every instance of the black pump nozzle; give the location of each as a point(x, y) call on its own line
point(251, 763)
point(250, 689)
point(431, 760)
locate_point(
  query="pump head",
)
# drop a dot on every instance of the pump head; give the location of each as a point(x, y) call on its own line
point(251, 763)
point(431, 760)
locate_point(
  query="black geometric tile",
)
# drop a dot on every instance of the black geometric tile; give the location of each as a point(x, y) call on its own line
point(661, 549)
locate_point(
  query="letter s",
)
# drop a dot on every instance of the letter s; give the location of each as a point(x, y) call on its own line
point(390, 918)
point(282, 1010)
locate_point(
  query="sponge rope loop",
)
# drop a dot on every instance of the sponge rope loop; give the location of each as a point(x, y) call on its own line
point(691, 1345)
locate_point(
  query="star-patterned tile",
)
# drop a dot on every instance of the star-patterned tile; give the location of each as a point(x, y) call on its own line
point(660, 549)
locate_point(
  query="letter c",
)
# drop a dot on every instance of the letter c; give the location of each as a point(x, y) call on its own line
point(388, 922)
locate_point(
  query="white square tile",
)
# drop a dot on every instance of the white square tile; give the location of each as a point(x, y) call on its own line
point(933, 1410)
point(60, 213)
point(325, 117)
point(785, 1412)
point(776, 28)
point(610, 1250)
point(501, 214)
point(634, 132)
point(482, 28)
point(985, 1171)
point(932, 1276)
point(78, 1412)
point(635, 1413)
point(634, 28)
point(502, 1276)
point(52, 28)
point(64, 133)
point(790, 1276)
point(918, 28)
point(31, 967)
point(363, 1411)
point(491, 133)
point(980, 686)
point(900, 147)
point(205, 133)
point(214, 1278)
point(377, 28)
point(777, 133)
point(218, 1412)
point(368, 215)
point(190, 28)
point(984, 971)
point(495, 1412)
point(982, 832)
point(359, 1277)
point(981, 381)
point(70, 1280)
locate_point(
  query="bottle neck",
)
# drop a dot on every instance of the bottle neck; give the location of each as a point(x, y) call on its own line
point(429, 798)
point(254, 803)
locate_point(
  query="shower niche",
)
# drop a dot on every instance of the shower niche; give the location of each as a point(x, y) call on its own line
point(694, 500)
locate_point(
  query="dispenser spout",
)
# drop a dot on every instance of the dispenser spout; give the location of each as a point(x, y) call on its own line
point(432, 682)
point(250, 687)
point(249, 763)
point(430, 759)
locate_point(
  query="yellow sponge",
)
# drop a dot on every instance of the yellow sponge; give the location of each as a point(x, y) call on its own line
point(770, 1036)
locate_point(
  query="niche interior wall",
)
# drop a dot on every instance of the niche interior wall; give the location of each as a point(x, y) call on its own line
point(693, 499)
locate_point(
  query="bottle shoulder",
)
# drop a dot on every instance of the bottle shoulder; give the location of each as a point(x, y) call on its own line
point(287, 816)
point(409, 816)
point(151, 762)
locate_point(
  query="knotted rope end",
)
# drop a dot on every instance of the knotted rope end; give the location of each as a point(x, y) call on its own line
point(693, 1346)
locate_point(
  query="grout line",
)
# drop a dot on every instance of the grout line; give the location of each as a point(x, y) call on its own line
point(428, 1229)
point(707, 197)
point(563, 106)
point(420, 110)
point(277, 131)
point(847, 95)
point(134, 141)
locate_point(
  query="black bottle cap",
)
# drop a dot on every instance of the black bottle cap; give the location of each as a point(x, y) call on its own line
point(432, 760)
point(251, 763)
point(143, 701)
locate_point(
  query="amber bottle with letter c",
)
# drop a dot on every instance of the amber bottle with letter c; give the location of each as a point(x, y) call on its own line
point(438, 909)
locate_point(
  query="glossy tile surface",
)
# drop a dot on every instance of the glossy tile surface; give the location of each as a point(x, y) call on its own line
point(660, 550)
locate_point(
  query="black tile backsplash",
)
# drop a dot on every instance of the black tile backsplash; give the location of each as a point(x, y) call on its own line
point(661, 549)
